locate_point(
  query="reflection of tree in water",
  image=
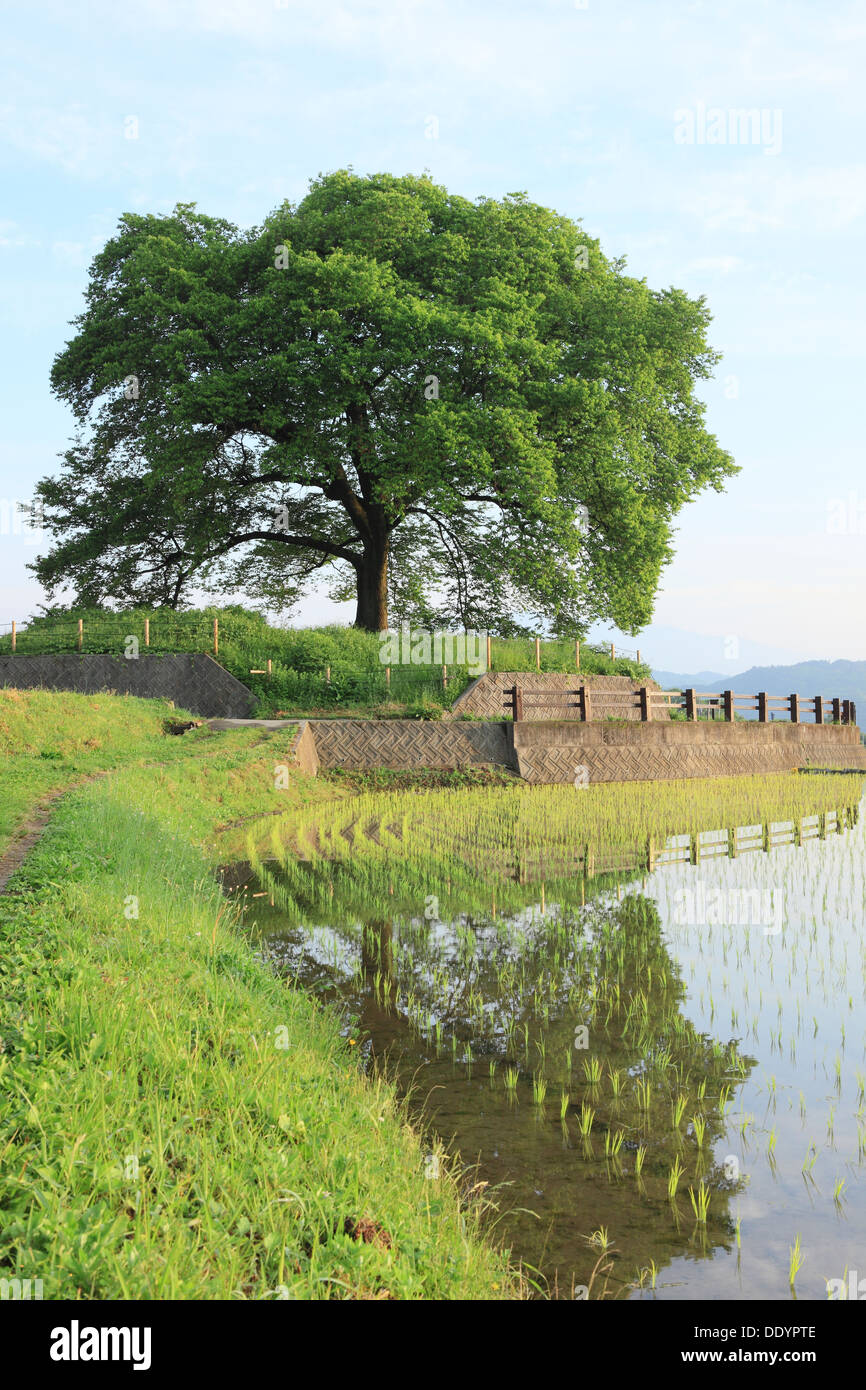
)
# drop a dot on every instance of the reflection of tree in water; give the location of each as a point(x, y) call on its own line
point(589, 1002)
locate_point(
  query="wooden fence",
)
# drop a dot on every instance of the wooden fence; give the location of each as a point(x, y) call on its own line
point(699, 848)
point(694, 704)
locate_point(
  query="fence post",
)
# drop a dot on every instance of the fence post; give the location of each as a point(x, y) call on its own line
point(270, 664)
point(819, 709)
point(728, 698)
point(852, 712)
point(13, 634)
point(638, 656)
point(846, 711)
point(837, 710)
point(517, 701)
point(762, 707)
point(691, 704)
point(488, 651)
point(577, 653)
point(794, 702)
point(147, 632)
point(444, 677)
point(328, 675)
point(216, 636)
point(538, 653)
point(644, 703)
point(585, 704)
point(80, 632)
point(612, 652)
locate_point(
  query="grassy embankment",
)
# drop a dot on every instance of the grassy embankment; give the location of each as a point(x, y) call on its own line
point(328, 670)
point(174, 1121)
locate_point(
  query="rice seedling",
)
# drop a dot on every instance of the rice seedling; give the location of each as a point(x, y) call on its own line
point(795, 1261)
point(700, 1202)
point(539, 1090)
point(613, 1142)
point(510, 1078)
point(600, 1239)
point(585, 1118)
point(592, 1071)
point(639, 1159)
point(674, 1176)
point(564, 1103)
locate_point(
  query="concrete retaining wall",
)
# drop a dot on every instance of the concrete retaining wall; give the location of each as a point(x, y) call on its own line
point(558, 750)
point(554, 752)
point(195, 682)
point(409, 743)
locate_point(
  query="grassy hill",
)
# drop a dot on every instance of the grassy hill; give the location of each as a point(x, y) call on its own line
point(327, 669)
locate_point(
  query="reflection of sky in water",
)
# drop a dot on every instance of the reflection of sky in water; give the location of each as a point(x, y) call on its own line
point(779, 969)
point(795, 1000)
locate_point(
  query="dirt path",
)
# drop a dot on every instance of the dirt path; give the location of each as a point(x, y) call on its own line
point(26, 836)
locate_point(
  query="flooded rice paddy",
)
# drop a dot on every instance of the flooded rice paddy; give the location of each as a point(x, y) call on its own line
point(650, 1045)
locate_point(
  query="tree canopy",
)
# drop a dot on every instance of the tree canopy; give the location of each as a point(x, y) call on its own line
point(463, 408)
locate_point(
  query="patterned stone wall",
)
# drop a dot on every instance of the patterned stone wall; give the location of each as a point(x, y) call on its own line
point(609, 753)
point(194, 682)
point(557, 751)
point(408, 743)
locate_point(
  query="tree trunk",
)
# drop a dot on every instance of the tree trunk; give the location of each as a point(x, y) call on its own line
point(372, 611)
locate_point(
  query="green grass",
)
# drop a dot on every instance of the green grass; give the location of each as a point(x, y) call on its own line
point(175, 1122)
point(301, 657)
point(49, 740)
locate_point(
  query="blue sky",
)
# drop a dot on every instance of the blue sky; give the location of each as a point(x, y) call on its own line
point(589, 108)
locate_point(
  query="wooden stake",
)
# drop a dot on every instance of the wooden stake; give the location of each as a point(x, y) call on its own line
point(538, 654)
point(577, 654)
point(612, 652)
point(488, 651)
point(80, 632)
point(444, 677)
point(147, 632)
point(270, 665)
point(13, 634)
point(216, 636)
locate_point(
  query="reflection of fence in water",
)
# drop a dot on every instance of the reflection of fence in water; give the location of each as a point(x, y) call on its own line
point(531, 867)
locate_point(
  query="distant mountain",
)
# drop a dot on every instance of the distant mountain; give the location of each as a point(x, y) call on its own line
point(701, 680)
point(845, 679)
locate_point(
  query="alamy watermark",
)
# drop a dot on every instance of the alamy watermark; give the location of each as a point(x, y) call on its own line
point(20, 1289)
point(733, 125)
point(846, 516)
point(728, 907)
point(408, 646)
point(19, 518)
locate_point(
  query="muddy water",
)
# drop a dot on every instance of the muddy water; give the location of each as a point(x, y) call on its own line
point(705, 1020)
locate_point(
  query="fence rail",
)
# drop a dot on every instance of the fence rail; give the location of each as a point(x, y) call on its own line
point(692, 703)
point(197, 631)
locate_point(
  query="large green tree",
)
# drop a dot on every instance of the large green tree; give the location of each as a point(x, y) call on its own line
point(463, 407)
